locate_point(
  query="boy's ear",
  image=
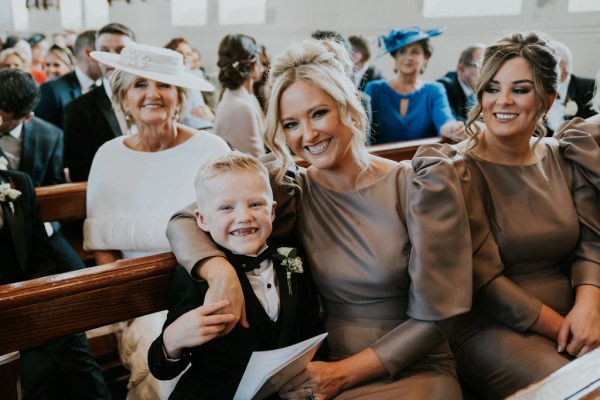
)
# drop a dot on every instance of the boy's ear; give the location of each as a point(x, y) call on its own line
point(273, 207)
point(200, 220)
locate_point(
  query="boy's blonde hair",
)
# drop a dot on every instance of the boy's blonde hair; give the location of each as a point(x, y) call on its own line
point(230, 162)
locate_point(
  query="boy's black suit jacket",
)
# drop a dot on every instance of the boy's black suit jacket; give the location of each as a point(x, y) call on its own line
point(218, 366)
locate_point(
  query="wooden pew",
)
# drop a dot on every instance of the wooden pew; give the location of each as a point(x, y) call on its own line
point(34, 311)
point(65, 202)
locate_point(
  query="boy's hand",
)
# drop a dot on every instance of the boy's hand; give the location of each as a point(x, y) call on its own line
point(195, 328)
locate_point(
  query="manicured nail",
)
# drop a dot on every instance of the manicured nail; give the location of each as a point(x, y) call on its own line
point(559, 348)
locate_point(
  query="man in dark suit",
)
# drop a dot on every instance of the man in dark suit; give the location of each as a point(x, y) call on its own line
point(33, 146)
point(61, 368)
point(361, 54)
point(574, 93)
point(93, 119)
point(460, 84)
point(57, 93)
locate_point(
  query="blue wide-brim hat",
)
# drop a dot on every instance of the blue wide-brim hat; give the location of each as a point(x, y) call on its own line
point(399, 38)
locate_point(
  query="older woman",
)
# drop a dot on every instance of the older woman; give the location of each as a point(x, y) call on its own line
point(388, 243)
point(239, 115)
point(136, 182)
point(406, 107)
point(59, 61)
point(537, 276)
point(13, 58)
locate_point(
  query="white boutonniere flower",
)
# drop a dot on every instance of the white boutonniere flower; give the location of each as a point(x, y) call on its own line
point(571, 108)
point(291, 262)
point(8, 194)
point(3, 163)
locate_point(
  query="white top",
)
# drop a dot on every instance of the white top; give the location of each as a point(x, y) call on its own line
point(240, 121)
point(132, 194)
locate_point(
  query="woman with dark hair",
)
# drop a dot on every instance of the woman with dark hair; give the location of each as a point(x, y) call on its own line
point(537, 275)
point(406, 107)
point(239, 115)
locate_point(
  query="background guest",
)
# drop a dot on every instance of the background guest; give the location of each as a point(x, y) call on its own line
point(126, 214)
point(460, 84)
point(34, 146)
point(405, 107)
point(59, 62)
point(259, 88)
point(196, 114)
point(94, 118)
point(61, 368)
point(239, 115)
point(39, 47)
point(364, 71)
point(574, 92)
point(57, 93)
point(13, 58)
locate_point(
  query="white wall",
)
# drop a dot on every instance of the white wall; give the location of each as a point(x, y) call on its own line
point(294, 20)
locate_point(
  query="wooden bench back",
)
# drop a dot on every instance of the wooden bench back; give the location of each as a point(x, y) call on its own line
point(34, 311)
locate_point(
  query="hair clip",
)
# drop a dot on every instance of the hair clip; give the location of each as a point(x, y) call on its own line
point(235, 64)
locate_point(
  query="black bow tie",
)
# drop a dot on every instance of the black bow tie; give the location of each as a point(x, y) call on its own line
point(250, 263)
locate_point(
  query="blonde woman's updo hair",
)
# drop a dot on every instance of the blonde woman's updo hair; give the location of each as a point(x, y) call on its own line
point(539, 54)
point(326, 65)
point(121, 81)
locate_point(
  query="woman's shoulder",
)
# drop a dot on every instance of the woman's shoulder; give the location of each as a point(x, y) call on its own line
point(433, 87)
point(204, 139)
point(380, 84)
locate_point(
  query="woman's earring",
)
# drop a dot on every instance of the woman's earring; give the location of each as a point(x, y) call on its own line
point(545, 118)
point(128, 117)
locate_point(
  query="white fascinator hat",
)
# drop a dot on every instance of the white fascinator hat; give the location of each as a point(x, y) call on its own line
point(156, 63)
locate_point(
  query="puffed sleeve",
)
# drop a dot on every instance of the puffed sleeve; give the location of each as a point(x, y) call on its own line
point(578, 142)
point(439, 264)
point(191, 245)
point(494, 293)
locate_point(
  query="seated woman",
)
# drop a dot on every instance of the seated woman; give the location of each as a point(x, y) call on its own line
point(197, 114)
point(537, 276)
point(59, 61)
point(137, 181)
point(240, 118)
point(390, 280)
point(405, 107)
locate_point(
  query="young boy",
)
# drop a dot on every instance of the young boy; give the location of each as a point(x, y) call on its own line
point(236, 207)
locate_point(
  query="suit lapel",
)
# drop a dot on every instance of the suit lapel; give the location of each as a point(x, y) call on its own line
point(74, 86)
point(29, 149)
point(288, 303)
point(16, 225)
point(105, 106)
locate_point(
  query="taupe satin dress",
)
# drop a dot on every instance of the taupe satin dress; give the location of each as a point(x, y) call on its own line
point(545, 241)
point(392, 264)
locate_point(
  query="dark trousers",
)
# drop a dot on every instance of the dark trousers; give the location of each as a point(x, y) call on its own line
point(66, 257)
point(62, 369)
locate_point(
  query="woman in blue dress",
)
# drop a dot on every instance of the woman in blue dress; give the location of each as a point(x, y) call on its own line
point(406, 107)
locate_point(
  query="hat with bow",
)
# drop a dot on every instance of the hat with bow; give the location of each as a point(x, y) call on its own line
point(399, 38)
